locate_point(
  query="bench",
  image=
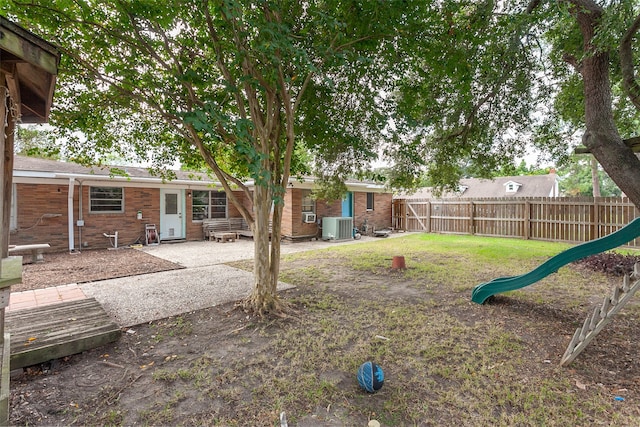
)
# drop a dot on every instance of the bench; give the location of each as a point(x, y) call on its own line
point(216, 229)
point(36, 250)
point(211, 227)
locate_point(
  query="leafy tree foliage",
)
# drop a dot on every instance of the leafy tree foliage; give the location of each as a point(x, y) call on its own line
point(490, 76)
point(523, 169)
point(33, 141)
point(468, 91)
point(235, 85)
point(576, 179)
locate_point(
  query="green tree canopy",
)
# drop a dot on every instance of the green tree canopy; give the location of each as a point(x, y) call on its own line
point(490, 77)
point(233, 84)
point(576, 179)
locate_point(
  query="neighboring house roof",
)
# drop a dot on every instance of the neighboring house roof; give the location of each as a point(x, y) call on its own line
point(32, 169)
point(506, 186)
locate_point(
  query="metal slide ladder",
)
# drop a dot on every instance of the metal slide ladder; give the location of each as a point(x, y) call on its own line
point(602, 315)
point(503, 284)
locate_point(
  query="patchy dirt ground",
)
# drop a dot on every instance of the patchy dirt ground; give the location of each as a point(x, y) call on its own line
point(446, 361)
point(88, 266)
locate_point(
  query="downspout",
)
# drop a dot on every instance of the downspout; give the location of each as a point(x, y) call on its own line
point(80, 218)
point(70, 215)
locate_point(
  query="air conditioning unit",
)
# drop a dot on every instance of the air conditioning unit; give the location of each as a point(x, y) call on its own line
point(337, 228)
point(308, 217)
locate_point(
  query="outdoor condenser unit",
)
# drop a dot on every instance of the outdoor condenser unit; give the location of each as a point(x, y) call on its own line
point(337, 228)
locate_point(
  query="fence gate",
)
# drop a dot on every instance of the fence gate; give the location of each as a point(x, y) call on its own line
point(411, 215)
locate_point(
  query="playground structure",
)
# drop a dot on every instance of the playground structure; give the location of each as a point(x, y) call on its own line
point(602, 315)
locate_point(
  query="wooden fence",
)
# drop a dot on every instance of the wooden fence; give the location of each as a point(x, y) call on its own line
point(562, 219)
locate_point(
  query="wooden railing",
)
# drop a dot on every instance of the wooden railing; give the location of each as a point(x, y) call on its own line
point(555, 219)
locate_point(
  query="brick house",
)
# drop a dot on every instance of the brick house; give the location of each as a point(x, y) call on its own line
point(73, 207)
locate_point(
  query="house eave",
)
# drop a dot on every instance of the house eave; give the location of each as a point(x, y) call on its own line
point(31, 177)
point(309, 184)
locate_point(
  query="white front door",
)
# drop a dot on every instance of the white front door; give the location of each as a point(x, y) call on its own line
point(171, 218)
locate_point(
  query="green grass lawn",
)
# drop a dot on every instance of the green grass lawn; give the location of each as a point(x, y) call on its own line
point(447, 361)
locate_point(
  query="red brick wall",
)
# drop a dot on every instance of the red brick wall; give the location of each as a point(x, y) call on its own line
point(292, 221)
point(291, 197)
point(130, 229)
point(292, 225)
point(326, 208)
point(379, 217)
point(34, 200)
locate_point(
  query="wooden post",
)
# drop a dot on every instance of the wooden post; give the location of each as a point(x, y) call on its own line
point(527, 220)
point(4, 251)
point(595, 220)
point(472, 208)
point(428, 217)
point(7, 180)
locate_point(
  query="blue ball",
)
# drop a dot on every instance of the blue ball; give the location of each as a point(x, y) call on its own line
point(370, 377)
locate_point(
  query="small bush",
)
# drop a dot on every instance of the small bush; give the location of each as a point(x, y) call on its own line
point(610, 263)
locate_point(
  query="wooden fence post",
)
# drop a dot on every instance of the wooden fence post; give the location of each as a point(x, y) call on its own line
point(472, 225)
point(595, 219)
point(527, 220)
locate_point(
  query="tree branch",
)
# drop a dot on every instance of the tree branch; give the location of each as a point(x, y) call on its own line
point(629, 81)
point(222, 176)
point(222, 66)
point(633, 143)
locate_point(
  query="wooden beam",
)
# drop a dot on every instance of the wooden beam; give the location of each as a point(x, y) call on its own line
point(4, 251)
point(7, 180)
point(28, 47)
point(14, 91)
point(633, 143)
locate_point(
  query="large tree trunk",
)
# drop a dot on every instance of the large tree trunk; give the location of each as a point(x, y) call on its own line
point(601, 135)
point(264, 297)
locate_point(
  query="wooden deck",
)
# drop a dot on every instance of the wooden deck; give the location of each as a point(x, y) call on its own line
point(58, 330)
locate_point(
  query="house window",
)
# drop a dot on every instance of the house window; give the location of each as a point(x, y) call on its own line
point(512, 187)
point(106, 199)
point(369, 201)
point(208, 205)
point(308, 204)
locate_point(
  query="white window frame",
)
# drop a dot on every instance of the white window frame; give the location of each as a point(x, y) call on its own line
point(106, 211)
point(512, 187)
point(373, 201)
point(307, 202)
point(209, 206)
